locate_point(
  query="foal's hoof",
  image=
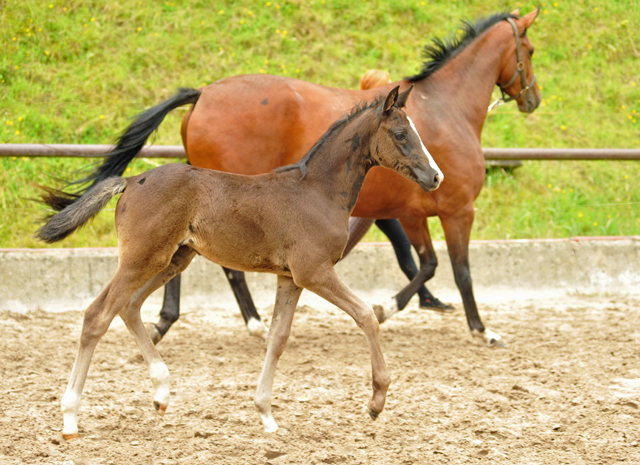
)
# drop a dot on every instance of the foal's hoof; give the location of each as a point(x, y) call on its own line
point(373, 414)
point(69, 437)
point(436, 304)
point(380, 313)
point(160, 408)
point(153, 332)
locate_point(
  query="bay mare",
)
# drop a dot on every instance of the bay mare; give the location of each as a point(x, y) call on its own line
point(255, 123)
point(293, 222)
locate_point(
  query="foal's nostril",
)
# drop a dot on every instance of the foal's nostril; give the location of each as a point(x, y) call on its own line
point(437, 180)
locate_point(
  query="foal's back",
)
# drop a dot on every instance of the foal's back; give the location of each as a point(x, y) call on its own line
point(249, 223)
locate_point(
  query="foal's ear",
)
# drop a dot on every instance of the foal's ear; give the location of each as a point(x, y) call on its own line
point(404, 97)
point(391, 100)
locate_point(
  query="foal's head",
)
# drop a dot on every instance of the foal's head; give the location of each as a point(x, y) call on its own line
point(397, 145)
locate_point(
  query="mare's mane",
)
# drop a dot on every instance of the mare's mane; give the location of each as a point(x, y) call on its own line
point(440, 51)
point(334, 129)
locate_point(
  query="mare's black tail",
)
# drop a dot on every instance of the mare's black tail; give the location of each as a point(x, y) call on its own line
point(129, 145)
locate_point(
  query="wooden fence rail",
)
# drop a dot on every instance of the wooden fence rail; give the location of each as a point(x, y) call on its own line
point(177, 151)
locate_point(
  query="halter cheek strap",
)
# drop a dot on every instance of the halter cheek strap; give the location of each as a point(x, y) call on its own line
point(519, 71)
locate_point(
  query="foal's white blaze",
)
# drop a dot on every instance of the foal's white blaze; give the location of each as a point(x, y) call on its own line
point(159, 374)
point(432, 163)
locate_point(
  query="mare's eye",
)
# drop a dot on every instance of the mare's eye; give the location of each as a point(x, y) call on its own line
point(400, 135)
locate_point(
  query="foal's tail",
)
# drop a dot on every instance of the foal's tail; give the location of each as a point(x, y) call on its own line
point(129, 145)
point(81, 210)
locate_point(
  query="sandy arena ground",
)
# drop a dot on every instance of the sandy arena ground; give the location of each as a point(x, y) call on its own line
point(566, 389)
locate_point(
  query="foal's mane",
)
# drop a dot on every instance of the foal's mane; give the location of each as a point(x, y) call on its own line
point(440, 51)
point(359, 108)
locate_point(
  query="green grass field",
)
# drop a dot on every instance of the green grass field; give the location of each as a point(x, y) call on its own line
point(76, 71)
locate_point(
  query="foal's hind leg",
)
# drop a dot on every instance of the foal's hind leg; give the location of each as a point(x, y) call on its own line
point(286, 300)
point(238, 284)
point(131, 315)
point(97, 319)
point(324, 281)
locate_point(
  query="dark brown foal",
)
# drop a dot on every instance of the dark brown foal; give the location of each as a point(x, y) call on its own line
point(292, 222)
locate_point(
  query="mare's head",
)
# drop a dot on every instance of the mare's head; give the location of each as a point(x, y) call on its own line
point(397, 145)
point(517, 78)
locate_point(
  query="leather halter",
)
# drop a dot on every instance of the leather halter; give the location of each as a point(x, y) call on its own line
point(519, 71)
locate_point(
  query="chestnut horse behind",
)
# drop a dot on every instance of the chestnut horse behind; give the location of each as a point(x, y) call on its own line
point(252, 124)
point(292, 222)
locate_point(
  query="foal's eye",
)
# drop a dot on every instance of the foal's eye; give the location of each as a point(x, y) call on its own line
point(400, 135)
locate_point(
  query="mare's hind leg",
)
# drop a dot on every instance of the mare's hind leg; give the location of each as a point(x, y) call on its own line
point(170, 311)
point(97, 319)
point(238, 283)
point(324, 281)
point(358, 227)
point(131, 315)
point(286, 300)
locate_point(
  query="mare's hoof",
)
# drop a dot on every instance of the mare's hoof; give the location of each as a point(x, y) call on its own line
point(373, 414)
point(160, 408)
point(490, 338)
point(69, 437)
point(436, 304)
point(153, 332)
point(257, 328)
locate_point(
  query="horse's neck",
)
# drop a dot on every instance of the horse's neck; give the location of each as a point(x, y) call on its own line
point(463, 87)
point(340, 165)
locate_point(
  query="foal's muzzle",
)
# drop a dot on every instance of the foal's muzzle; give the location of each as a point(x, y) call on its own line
point(426, 177)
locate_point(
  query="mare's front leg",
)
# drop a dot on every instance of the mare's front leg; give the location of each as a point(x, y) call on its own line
point(417, 231)
point(324, 281)
point(457, 231)
point(238, 283)
point(402, 248)
point(170, 311)
point(287, 297)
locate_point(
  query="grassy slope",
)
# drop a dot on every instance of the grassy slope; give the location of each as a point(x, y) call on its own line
point(75, 71)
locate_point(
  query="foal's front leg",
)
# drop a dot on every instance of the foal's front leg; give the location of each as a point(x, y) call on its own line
point(286, 300)
point(324, 281)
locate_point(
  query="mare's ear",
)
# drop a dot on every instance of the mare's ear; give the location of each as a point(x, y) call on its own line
point(528, 19)
point(391, 100)
point(404, 97)
point(516, 12)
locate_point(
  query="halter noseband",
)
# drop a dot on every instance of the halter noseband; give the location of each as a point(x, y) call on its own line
point(519, 70)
